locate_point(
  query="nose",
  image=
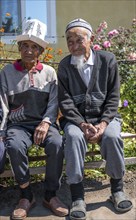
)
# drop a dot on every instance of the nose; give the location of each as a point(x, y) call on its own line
point(75, 46)
point(29, 50)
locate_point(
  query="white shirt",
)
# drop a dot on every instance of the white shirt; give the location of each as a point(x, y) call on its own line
point(86, 71)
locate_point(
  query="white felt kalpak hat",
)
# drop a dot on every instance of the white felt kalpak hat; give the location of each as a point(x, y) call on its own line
point(35, 31)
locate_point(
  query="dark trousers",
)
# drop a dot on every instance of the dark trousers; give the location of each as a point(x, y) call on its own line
point(18, 141)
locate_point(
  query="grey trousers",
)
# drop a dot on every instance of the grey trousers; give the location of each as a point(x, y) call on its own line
point(18, 141)
point(111, 148)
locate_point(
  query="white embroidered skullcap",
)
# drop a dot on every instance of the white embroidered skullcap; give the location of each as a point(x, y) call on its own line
point(79, 22)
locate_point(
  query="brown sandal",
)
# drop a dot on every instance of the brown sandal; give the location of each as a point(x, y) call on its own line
point(22, 209)
point(56, 206)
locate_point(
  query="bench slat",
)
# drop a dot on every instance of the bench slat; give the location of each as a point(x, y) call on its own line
point(88, 165)
point(127, 135)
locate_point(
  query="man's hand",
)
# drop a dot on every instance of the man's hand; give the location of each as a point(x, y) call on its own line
point(98, 135)
point(41, 132)
point(88, 129)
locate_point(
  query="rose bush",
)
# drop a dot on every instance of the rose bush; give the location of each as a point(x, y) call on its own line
point(122, 42)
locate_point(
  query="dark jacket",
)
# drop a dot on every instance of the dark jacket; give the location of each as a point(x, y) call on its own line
point(99, 102)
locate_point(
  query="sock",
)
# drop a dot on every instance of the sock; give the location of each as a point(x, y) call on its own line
point(26, 193)
point(49, 194)
point(77, 193)
point(116, 186)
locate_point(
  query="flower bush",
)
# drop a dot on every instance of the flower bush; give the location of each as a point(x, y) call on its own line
point(51, 55)
point(122, 42)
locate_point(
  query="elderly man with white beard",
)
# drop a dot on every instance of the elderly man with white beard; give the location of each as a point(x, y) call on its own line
point(88, 100)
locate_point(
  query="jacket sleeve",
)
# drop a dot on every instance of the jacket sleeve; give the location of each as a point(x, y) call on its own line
point(66, 103)
point(113, 92)
point(51, 113)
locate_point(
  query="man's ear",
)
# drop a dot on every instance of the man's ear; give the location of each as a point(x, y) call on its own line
point(92, 38)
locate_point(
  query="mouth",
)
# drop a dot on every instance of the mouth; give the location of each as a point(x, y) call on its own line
point(28, 57)
point(78, 52)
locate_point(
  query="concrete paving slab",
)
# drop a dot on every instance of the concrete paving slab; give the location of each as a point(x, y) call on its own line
point(96, 197)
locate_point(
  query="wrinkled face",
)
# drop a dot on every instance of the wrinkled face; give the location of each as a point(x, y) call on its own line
point(78, 41)
point(30, 51)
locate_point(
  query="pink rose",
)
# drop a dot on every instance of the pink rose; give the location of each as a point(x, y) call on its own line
point(96, 47)
point(102, 27)
point(113, 33)
point(107, 44)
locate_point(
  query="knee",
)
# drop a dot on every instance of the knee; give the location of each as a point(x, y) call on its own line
point(12, 145)
point(15, 147)
point(74, 135)
point(54, 145)
point(56, 141)
point(75, 143)
point(111, 143)
point(110, 137)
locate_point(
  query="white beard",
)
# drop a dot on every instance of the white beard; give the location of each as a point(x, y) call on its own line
point(79, 61)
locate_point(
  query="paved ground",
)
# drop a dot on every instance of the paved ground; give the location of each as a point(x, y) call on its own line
point(96, 197)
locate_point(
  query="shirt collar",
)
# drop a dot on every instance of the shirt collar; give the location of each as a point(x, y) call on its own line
point(18, 66)
point(90, 60)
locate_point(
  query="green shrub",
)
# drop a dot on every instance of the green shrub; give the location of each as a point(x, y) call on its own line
point(122, 42)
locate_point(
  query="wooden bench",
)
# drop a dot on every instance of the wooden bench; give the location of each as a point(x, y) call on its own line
point(88, 165)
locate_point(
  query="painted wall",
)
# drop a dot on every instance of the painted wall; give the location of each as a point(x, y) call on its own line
point(115, 12)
